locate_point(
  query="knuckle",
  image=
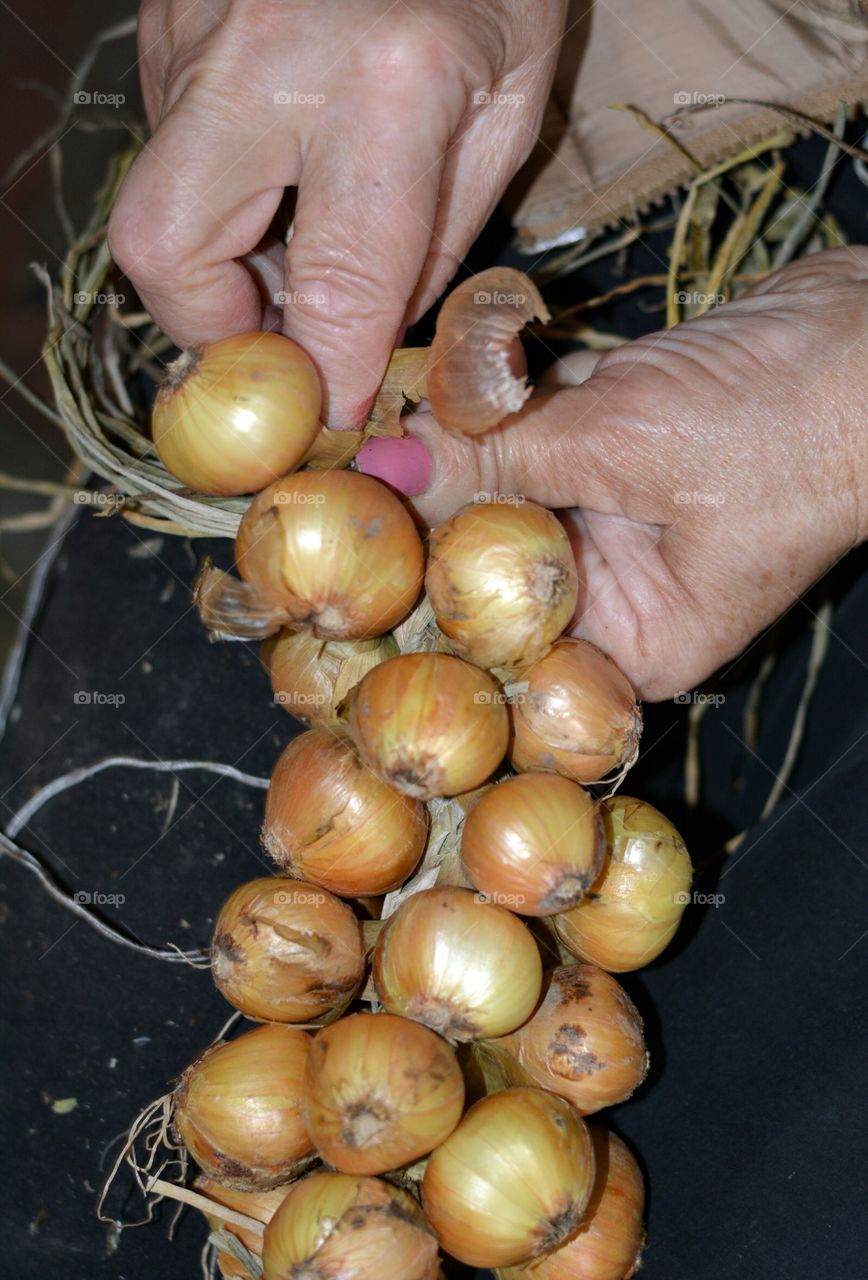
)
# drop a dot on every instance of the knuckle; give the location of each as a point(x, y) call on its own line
point(401, 54)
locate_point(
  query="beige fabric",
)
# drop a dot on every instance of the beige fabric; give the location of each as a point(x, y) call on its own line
point(594, 166)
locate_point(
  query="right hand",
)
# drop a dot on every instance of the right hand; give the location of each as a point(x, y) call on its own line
point(400, 124)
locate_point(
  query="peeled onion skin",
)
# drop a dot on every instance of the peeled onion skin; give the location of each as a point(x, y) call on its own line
point(330, 820)
point(609, 1243)
point(286, 951)
point(233, 416)
point(381, 1092)
point(459, 965)
point(237, 1108)
point(512, 1182)
point(336, 1226)
point(477, 373)
point(311, 678)
point(636, 903)
point(502, 581)
point(430, 724)
point(332, 552)
point(255, 1204)
point(534, 843)
point(585, 1041)
point(578, 716)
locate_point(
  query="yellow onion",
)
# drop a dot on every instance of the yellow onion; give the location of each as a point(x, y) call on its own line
point(332, 552)
point(259, 1205)
point(477, 372)
point(237, 1108)
point(286, 951)
point(578, 716)
point(381, 1092)
point(233, 416)
point(460, 965)
point(502, 581)
point(332, 821)
point(337, 1226)
point(533, 843)
point(512, 1181)
point(636, 904)
point(312, 677)
point(608, 1245)
point(430, 724)
point(585, 1042)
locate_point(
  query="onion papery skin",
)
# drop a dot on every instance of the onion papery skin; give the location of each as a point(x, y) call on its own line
point(513, 1181)
point(311, 678)
point(330, 820)
point(237, 1108)
point(609, 1243)
point(502, 581)
point(285, 950)
point(477, 372)
point(333, 552)
point(578, 717)
point(533, 843)
point(255, 1204)
point(381, 1092)
point(336, 1226)
point(463, 967)
point(585, 1042)
point(637, 901)
point(430, 724)
point(234, 416)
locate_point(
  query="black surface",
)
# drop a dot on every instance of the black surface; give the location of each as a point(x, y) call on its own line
point(752, 1127)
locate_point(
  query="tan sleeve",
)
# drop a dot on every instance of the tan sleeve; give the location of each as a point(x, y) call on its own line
point(594, 165)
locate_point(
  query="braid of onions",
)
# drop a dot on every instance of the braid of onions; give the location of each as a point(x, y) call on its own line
point(428, 971)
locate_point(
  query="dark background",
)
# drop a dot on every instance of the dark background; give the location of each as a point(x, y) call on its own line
point(752, 1125)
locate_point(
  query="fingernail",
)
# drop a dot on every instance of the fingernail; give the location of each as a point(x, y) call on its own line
point(404, 463)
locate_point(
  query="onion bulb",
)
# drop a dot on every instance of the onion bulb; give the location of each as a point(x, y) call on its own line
point(533, 843)
point(477, 372)
point(381, 1092)
point(287, 951)
point(637, 902)
point(233, 416)
point(332, 552)
point(430, 724)
point(585, 1042)
point(608, 1244)
point(310, 677)
point(237, 1108)
point(502, 581)
point(336, 1226)
point(330, 820)
point(460, 965)
point(512, 1181)
point(259, 1205)
point(332, 449)
point(578, 717)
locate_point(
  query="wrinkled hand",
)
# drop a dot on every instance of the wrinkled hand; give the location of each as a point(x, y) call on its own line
point(399, 124)
point(711, 472)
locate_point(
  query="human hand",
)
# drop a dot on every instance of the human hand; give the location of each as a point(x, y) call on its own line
point(711, 473)
point(400, 125)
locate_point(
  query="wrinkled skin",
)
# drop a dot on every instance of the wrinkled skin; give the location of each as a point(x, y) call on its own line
point(397, 163)
point(712, 472)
